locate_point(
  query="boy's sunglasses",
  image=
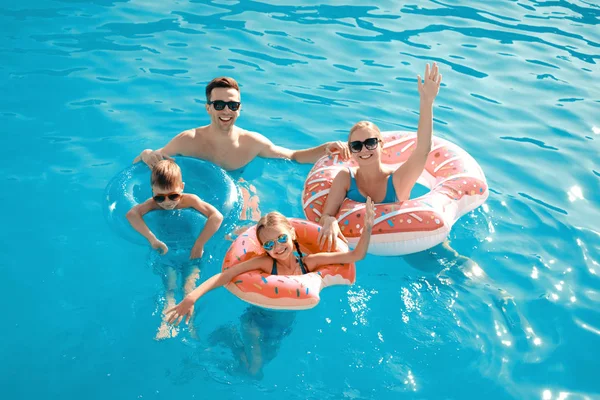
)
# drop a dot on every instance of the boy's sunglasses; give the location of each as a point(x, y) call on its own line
point(370, 144)
point(220, 104)
point(159, 198)
point(268, 246)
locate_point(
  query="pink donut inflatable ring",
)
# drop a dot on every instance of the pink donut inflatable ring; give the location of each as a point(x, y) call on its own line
point(456, 182)
point(285, 292)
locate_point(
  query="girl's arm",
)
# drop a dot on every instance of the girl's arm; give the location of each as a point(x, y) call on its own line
point(335, 198)
point(186, 307)
point(316, 260)
point(215, 218)
point(135, 218)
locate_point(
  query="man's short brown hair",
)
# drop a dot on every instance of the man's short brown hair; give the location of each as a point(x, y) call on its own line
point(166, 174)
point(221, 82)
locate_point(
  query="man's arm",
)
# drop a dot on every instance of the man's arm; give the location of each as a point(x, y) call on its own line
point(304, 156)
point(311, 155)
point(179, 145)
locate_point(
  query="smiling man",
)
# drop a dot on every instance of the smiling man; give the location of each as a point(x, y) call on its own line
point(227, 145)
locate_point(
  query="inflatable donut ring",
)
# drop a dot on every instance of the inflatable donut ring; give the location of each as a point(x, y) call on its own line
point(293, 292)
point(456, 182)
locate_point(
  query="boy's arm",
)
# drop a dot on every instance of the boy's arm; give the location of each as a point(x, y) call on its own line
point(316, 260)
point(213, 223)
point(134, 216)
point(176, 146)
point(186, 307)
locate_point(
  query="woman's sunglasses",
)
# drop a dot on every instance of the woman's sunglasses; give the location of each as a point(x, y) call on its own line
point(268, 246)
point(220, 104)
point(159, 198)
point(370, 144)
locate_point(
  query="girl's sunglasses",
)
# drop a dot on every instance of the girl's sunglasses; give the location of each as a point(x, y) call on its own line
point(370, 144)
point(159, 198)
point(220, 104)
point(268, 246)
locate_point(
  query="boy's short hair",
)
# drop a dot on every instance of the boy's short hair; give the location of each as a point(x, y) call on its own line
point(221, 82)
point(166, 174)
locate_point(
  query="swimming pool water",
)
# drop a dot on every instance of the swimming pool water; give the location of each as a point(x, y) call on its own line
point(511, 314)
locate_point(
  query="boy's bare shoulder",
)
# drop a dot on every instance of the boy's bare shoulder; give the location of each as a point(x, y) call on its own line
point(146, 206)
point(189, 200)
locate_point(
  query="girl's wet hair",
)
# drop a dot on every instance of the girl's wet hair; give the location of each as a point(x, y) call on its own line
point(166, 174)
point(365, 125)
point(273, 218)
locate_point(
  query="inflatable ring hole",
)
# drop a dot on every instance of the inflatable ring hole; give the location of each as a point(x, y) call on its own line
point(176, 228)
point(418, 190)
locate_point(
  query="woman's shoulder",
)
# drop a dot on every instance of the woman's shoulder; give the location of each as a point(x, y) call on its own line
point(389, 171)
point(345, 173)
point(341, 180)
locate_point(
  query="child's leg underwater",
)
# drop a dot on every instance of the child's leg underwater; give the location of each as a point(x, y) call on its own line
point(165, 330)
point(191, 281)
point(253, 348)
point(229, 336)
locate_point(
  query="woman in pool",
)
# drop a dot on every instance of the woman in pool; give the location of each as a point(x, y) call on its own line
point(263, 329)
point(373, 179)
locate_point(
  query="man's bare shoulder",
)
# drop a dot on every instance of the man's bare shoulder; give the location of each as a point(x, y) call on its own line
point(194, 133)
point(185, 143)
point(250, 136)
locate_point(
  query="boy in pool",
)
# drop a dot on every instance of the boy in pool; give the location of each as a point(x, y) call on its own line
point(167, 194)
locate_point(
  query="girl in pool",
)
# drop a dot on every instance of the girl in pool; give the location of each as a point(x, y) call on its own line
point(284, 256)
point(373, 179)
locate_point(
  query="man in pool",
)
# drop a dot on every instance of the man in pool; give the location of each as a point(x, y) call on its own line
point(226, 145)
point(231, 147)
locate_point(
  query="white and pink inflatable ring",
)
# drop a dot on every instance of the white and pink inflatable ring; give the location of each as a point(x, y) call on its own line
point(456, 182)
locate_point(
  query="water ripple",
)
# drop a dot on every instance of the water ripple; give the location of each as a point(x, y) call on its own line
point(65, 72)
point(85, 42)
point(311, 98)
point(538, 143)
point(455, 66)
point(168, 72)
point(268, 58)
point(508, 301)
point(147, 29)
point(478, 96)
point(542, 203)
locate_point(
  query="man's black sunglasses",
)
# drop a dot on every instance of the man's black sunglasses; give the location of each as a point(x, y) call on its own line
point(370, 144)
point(220, 104)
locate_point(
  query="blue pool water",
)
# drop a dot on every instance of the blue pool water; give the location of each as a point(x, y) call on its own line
point(513, 314)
